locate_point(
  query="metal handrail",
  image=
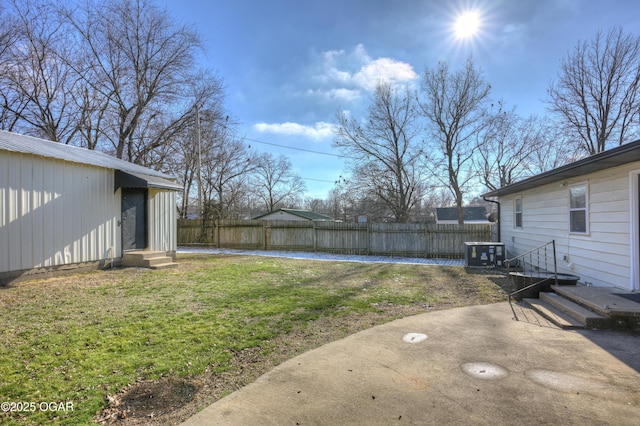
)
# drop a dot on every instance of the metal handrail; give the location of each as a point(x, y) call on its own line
point(537, 251)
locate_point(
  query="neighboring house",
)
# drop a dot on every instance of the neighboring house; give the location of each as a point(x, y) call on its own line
point(591, 208)
point(63, 206)
point(449, 215)
point(293, 214)
point(361, 218)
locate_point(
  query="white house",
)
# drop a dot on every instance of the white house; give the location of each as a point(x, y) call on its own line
point(63, 207)
point(591, 208)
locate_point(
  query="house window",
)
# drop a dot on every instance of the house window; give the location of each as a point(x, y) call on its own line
point(517, 212)
point(578, 211)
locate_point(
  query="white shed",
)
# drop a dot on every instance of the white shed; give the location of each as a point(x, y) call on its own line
point(64, 207)
point(591, 208)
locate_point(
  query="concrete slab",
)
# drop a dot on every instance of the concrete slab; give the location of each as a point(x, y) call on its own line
point(494, 364)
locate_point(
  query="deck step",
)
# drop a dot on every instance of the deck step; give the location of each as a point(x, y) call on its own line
point(587, 317)
point(553, 314)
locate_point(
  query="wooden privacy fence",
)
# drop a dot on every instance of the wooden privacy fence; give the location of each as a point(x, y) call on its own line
point(386, 239)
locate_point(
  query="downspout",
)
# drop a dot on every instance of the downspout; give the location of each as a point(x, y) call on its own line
point(499, 216)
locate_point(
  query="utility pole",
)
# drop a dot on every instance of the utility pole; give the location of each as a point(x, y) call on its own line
point(200, 213)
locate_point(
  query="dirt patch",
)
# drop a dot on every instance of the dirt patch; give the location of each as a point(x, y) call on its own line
point(171, 400)
point(149, 399)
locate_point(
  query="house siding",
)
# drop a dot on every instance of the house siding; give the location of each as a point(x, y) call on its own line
point(601, 257)
point(55, 213)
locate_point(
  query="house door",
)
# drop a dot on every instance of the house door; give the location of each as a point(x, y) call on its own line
point(134, 219)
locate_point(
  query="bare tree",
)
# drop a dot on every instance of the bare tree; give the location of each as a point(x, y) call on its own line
point(182, 158)
point(454, 105)
point(184, 167)
point(384, 151)
point(322, 206)
point(11, 103)
point(554, 150)
point(596, 96)
point(508, 145)
point(139, 61)
point(8, 34)
point(183, 164)
point(226, 166)
point(39, 80)
point(316, 205)
point(342, 200)
point(274, 181)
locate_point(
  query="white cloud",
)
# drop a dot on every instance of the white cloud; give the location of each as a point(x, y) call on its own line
point(321, 130)
point(361, 54)
point(346, 95)
point(344, 76)
point(384, 70)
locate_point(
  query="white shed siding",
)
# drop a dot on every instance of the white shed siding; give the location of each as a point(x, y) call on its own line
point(163, 232)
point(601, 257)
point(55, 213)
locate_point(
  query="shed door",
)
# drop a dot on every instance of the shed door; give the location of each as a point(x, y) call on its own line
point(134, 219)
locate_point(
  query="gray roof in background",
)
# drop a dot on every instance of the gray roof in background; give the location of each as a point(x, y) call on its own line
point(305, 214)
point(34, 146)
point(618, 156)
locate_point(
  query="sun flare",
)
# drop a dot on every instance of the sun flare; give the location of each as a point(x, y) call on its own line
point(467, 24)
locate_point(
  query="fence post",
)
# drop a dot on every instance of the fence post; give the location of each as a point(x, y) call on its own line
point(314, 237)
point(265, 234)
point(426, 241)
point(203, 230)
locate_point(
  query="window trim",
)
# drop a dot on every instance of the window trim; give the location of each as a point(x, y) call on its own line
point(584, 184)
point(516, 212)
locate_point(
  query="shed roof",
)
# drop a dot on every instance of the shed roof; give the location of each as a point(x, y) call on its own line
point(470, 213)
point(15, 142)
point(305, 214)
point(627, 153)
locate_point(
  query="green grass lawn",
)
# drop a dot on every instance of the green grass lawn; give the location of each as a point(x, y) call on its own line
point(77, 339)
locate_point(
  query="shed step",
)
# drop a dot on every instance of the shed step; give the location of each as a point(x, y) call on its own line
point(554, 315)
point(146, 259)
point(580, 313)
point(140, 255)
point(164, 265)
point(161, 260)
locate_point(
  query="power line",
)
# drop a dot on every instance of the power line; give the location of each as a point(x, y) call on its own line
point(296, 149)
point(320, 180)
point(304, 150)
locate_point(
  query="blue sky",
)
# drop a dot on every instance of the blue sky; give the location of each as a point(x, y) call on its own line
point(290, 65)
